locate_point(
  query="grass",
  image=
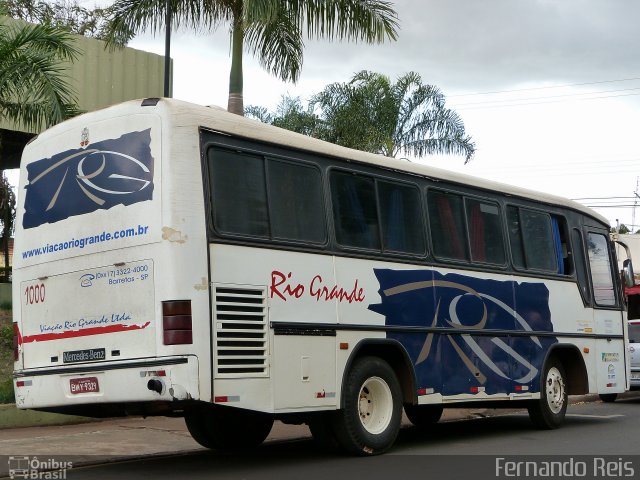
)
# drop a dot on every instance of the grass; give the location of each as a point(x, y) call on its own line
point(6, 355)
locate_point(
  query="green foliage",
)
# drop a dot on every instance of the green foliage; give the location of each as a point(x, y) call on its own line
point(272, 30)
point(7, 218)
point(372, 114)
point(6, 361)
point(7, 394)
point(33, 83)
point(6, 337)
point(67, 15)
point(406, 117)
point(290, 115)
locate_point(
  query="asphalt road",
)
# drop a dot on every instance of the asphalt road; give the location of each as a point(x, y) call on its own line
point(598, 440)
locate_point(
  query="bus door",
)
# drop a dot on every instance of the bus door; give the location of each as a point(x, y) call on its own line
point(607, 314)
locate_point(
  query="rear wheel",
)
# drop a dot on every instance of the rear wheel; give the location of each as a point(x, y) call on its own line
point(223, 428)
point(608, 397)
point(423, 415)
point(548, 412)
point(370, 420)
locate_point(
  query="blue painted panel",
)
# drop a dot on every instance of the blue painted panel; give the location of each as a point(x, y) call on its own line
point(80, 181)
point(453, 364)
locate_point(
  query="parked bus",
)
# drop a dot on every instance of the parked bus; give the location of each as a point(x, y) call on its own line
point(174, 259)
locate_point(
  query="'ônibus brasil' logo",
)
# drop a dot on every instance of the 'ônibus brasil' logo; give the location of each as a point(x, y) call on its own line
point(79, 181)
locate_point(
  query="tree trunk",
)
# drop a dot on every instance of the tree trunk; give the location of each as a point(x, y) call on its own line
point(236, 101)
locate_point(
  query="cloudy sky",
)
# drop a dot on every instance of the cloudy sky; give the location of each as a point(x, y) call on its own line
point(548, 89)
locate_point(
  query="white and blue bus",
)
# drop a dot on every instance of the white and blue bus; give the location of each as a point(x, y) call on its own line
point(174, 259)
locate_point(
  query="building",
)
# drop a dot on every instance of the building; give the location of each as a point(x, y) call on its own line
point(100, 77)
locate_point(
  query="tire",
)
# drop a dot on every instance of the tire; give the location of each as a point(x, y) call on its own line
point(423, 416)
point(224, 428)
point(548, 413)
point(608, 397)
point(370, 420)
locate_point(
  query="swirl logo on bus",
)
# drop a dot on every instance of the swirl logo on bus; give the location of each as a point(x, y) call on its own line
point(470, 331)
point(80, 181)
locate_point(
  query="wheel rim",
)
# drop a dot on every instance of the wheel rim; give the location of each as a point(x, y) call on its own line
point(375, 405)
point(555, 390)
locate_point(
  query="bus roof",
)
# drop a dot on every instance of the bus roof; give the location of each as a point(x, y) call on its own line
point(217, 119)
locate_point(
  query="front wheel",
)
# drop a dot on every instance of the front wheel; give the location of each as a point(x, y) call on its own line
point(370, 420)
point(548, 412)
point(225, 428)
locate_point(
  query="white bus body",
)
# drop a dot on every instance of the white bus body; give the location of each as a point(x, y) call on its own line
point(135, 291)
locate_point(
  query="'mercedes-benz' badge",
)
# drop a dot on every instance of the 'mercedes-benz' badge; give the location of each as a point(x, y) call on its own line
point(89, 355)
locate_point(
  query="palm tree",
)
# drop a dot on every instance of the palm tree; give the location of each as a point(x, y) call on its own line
point(33, 87)
point(407, 117)
point(272, 30)
point(33, 92)
point(7, 216)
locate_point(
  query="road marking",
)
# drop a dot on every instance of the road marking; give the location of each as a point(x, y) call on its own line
point(592, 416)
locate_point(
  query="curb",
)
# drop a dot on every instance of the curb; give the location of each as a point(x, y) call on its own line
point(12, 417)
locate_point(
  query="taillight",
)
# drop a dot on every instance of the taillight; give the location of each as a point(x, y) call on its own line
point(176, 322)
point(16, 342)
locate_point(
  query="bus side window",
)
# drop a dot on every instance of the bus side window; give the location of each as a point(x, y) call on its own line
point(561, 241)
point(283, 202)
point(581, 266)
point(447, 222)
point(515, 237)
point(239, 193)
point(354, 210)
point(531, 238)
point(296, 207)
point(401, 218)
point(485, 231)
point(601, 269)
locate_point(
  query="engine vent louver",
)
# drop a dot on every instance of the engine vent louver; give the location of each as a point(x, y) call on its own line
point(240, 332)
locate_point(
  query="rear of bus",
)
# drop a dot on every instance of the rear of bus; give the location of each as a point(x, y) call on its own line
point(106, 280)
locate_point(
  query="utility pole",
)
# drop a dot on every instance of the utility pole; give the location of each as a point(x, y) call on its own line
point(167, 49)
point(635, 204)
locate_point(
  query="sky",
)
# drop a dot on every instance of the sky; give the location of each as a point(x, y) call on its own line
point(549, 90)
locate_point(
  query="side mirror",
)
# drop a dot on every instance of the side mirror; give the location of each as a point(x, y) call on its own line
point(627, 273)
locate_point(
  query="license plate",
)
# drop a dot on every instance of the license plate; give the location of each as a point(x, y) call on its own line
point(84, 385)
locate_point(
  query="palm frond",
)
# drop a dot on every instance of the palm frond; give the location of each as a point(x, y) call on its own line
point(33, 83)
point(371, 21)
point(126, 18)
point(278, 45)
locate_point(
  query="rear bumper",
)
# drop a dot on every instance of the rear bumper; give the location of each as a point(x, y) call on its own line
point(126, 381)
